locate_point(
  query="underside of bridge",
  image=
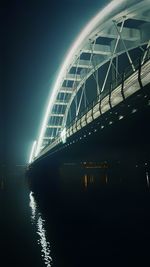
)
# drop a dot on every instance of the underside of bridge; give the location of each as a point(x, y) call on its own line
point(121, 134)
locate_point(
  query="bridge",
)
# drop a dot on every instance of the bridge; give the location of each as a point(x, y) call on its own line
point(104, 77)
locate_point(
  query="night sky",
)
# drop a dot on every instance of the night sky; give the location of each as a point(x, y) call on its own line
point(36, 35)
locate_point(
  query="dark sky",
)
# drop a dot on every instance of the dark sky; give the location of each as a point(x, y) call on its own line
point(35, 38)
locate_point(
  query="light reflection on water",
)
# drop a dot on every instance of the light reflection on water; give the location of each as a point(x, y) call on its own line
point(147, 179)
point(98, 199)
point(33, 206)
point(36, 219)
point(92, 178)
point(89, 179)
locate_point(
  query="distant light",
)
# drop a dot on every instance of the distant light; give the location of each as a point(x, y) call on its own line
point(32, 152)
point(121, 117)
point(134, 110)
point(85, 181)
point(147, 178)
point(110, 122)
point(113, 5)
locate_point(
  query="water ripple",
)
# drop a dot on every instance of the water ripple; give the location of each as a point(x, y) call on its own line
point(36, 219)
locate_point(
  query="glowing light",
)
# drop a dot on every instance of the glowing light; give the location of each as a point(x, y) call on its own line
point(43, 242)
point(76, 47)
point(147, 179)
point(134, 110)
point(32, 205)
point(32, 152)
point(63, 135)
point(39, 223)
point(121, 117)
point(85, 181)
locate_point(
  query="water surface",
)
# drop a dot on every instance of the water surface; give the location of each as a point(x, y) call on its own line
point(76, 214)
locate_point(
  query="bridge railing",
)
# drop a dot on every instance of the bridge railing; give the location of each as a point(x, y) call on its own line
point(138, 64)
point(113, 84)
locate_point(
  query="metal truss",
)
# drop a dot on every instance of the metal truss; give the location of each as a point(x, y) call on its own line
point(118, 29)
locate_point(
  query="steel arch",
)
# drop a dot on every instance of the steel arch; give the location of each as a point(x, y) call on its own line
point(110, 23)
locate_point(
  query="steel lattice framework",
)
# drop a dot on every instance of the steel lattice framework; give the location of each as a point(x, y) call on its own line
point(118, 29)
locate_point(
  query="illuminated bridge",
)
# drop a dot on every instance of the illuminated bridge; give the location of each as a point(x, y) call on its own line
point(104, 77)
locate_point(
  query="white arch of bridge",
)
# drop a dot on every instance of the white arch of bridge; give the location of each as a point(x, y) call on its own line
point(124, 25)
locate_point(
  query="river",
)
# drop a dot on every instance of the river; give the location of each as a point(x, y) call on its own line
point(78, 214)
